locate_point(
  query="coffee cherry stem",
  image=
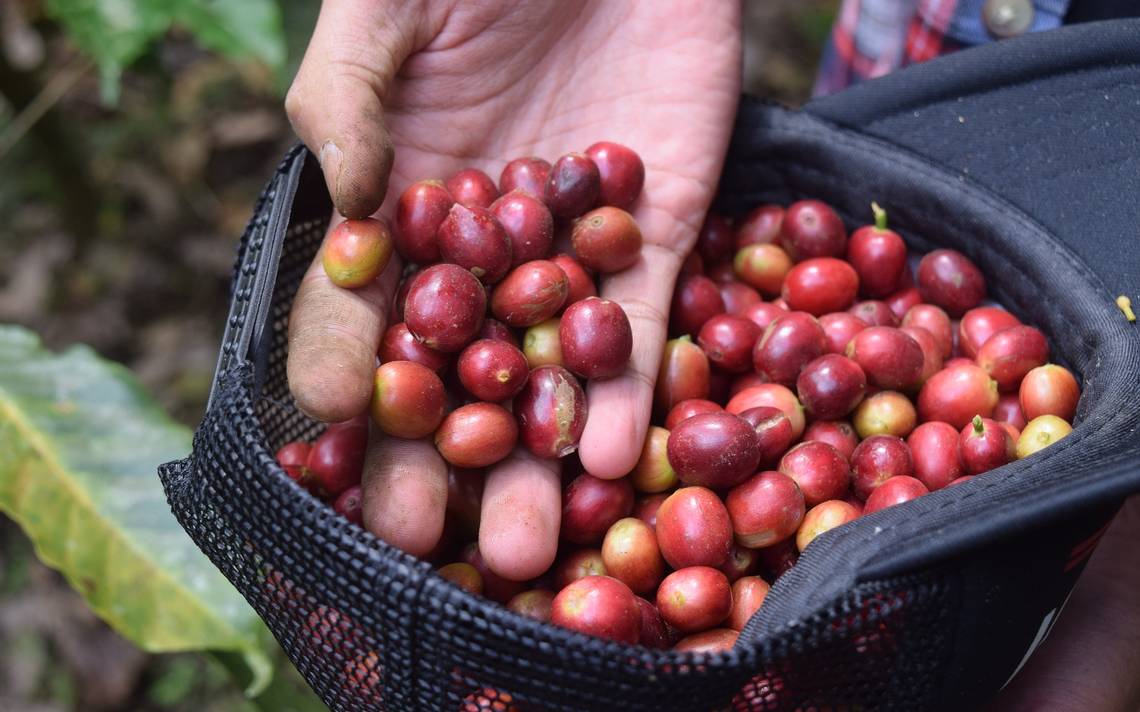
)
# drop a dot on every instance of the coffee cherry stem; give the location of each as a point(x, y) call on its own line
point(880, 216)
point(978, 427)
point(1125, 305)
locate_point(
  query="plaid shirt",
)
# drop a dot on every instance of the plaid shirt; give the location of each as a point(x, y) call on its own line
point(874, 37)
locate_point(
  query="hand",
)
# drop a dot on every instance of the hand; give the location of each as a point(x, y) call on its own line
point(447, 84)
point(1090, 659)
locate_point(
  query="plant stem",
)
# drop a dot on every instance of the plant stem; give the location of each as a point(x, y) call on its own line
point(286, 692)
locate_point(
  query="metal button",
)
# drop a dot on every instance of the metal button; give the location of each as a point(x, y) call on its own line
point(1007, 18)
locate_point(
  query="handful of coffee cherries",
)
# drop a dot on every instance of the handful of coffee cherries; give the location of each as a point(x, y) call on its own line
point(812, 378)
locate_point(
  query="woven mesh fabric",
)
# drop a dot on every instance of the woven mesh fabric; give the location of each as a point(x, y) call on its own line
point(371, 628)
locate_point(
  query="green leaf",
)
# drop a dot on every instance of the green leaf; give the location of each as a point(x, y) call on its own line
point(79, 445)
point(116, 32)
point(235, 28)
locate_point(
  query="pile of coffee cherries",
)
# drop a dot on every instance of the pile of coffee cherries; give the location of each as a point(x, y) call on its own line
point(812, 378)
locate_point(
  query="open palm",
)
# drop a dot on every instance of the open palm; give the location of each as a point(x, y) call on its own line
point(454, 84)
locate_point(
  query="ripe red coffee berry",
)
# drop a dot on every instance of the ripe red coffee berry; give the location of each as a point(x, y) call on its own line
point(956, 394)
point(822, 518)
point(591, 505)
point(687, 409)
point(596, 338)
point(398, 344)
point(492, 371)
point(528, 174)
point(837, 433)
point(551, 410)
point(876, 460)
point(606, 239)
point(1011, 353)
point(872, 312)
point(901, 301)
point(693, 528)
point(577, 565)
point(1008, 410)
point(600, 606)
point(581, 284)
point(621, 173)
point(530, 293)
point(820, 285)
point(934, 451)
point(742, 561)
point(839, 328)
point(350, 505)
point(773, 431)
point(878, 255)
point(936, 321)
point(476, 435)
point(812, 229)
point(748, 595)
point(472, 188)
point(890, 358)
point(695, 300)
point(763, 314)
point(763, 266)
point(654, 633)
point(407, 399)
point(894, 491)
point(631, 555)
point(356, 252)
point(950, 280)
point(728, 341)
point(683, 375)
point(738, 297)
point(765, 509)
point(761, 226)
point(528, 225)
point(819, 470)
point(716, 640)
point(1049, 390)
point(978, 325)
point(474, 239)
point(445, 307)
point(715, 240)
point(420, 211)
point(572, 186)
point(717, 450)
point(536, 604)
point(337, 458)
point(831, 386)
point(931, 354)
point(694, 598)
point(292, 457)
point(645, 508)
point(984, 444)
point(770, 394)
point(788, 344)
point(778, 559)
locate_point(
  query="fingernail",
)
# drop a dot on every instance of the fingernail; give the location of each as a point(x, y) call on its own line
point(330, 158)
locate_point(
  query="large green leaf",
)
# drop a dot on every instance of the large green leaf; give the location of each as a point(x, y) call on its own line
point(116, 32)
point(79, 444)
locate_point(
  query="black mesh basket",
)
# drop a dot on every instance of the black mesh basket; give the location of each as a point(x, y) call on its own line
point(1022, 156)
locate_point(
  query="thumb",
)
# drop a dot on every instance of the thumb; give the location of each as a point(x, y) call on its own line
point(335, 102)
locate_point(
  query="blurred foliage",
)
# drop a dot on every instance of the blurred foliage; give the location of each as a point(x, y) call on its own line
point(117, 32)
